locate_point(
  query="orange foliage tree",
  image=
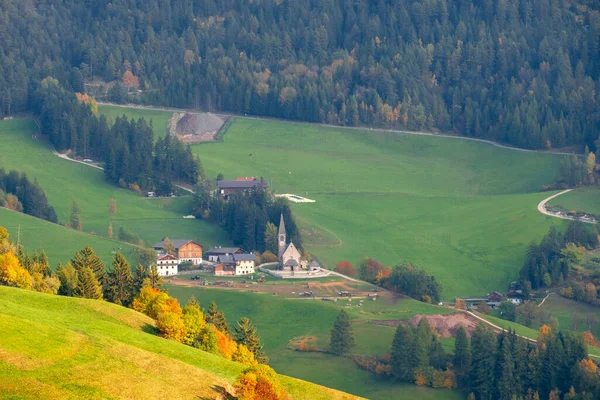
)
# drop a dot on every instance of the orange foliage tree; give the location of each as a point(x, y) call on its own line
point(259, 382)
point(460, 304)
point(130, 80)
point(227, 346)
point(369, 269)
point(345, 268)
point(171, 326)
point(589, 339)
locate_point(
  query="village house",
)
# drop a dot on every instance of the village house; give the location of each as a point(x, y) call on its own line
point(224, 270)
point(289, 256)
point(240, 185)
point(167, 265)
point(494, 299)
point(515, 297)
point(241, 264)
point(214, 253)
point(185, 250)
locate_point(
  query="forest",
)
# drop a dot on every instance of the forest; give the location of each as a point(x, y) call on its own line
point(18, 193)
point(132, 159)
point(524, 72)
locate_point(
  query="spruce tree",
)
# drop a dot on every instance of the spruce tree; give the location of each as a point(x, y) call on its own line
point(156, 280)
point(462, 358)
point(217, 318)
point(119, 285)
point(141, 274)
point(505, 379)
point(87, 258)
point(401, 353)
point(420, 355)
point(88, 286)
point(342, 338)
point(483, 341)
point(245, 333)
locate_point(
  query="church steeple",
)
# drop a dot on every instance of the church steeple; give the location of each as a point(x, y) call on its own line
point(281, 237)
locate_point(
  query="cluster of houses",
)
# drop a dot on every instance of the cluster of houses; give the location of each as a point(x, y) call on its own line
point(494, 299)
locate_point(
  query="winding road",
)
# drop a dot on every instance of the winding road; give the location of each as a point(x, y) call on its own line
point(542, 208)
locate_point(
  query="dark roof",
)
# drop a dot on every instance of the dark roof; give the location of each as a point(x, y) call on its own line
point(223, 250)
point(177, 243)
point(241, 184)
point(314, 263)
point(232, 258)
point(291, 262)
point(514, 294)
point(281, 225)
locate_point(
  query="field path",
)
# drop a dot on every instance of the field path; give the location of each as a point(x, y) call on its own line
point(363, 128)
point(542, 208)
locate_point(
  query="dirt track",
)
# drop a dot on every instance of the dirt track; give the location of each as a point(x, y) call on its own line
point(542, 208)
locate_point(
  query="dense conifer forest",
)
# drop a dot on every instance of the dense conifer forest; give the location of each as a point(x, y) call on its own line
point(524, 72)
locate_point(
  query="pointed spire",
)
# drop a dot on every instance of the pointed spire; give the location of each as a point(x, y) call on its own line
point(281, 226)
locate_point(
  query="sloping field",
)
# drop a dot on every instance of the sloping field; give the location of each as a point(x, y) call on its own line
point(65, 181)
point(280, 320)
point(56, 347)
point(160, 119)
point(583, 199)
point(465, 211)
point(59, 243)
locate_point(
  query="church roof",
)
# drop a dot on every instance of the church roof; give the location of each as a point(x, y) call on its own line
point(314, 263)
point(281, 225)
point(291, 263)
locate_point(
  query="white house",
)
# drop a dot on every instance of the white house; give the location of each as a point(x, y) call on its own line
point(243, 263)
point(167, 265)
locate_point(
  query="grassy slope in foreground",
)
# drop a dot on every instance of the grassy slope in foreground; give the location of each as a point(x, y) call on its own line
point(465, 211)
point(582, 199)
point(279, 320)
point(63, 181)
point(56, 347)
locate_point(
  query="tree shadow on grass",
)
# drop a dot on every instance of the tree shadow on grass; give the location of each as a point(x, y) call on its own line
point(223, 394)
point(150, 329)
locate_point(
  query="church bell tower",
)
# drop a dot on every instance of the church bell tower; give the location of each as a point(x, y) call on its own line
point(281, 237)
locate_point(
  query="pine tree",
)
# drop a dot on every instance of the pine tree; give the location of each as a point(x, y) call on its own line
point(245, 333)
point(342, 338)
point(505, 380)
point(420, 355)
point(69, 279)
point(462, 358)
point(155, 279)
point(217, 318)
point(119, 282)
point(483, 341)
point(88, 286)
point(401, 353)
point(75, 220)
point(141, 274)
point(87, 258)
point(271, 238)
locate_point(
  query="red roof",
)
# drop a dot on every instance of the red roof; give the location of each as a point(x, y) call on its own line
point(167, 257)
point(219, 267)
point(245, 179)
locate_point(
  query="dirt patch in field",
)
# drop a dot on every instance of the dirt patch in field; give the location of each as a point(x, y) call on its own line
point(195, 127)
point(445, 325)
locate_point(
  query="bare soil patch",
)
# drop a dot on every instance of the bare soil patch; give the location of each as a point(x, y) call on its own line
point(445, 325)
point(195, 127)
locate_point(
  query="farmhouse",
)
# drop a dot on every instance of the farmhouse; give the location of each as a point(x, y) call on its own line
point(224, 270)
point(240, 185)
point(515, 297)
point(241, 264)
point(494, 299)
point(289, 256)
point(167, 265)
point(214, 253)
point(186, 250)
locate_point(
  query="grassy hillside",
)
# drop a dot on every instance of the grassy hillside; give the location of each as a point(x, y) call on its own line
point(57, 347)
point(280, 320)
point(160, 119)
point(582, 199)
point(63, 181)
point(59, 243)
point(574, 315)
point(464, 211)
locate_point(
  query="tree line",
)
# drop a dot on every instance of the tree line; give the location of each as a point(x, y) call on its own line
point(554, 261)
point(131, 157)
point(18, 193)
point(575, 172)
point(405, 278)
point(520, 71)
point(250, 219)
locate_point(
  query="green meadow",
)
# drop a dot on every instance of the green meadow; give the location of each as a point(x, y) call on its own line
point(464, 211)
point(56, 347)
point(159, 119)
point(280, 320)
point(65, 181)
point(582, 199)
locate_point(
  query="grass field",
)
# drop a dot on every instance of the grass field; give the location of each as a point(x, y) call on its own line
point(464, 211)
point(160, 119)
point(56, 347)
point(279, 320)
point(583, 199)
point(64, 181)
point(574, 315)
